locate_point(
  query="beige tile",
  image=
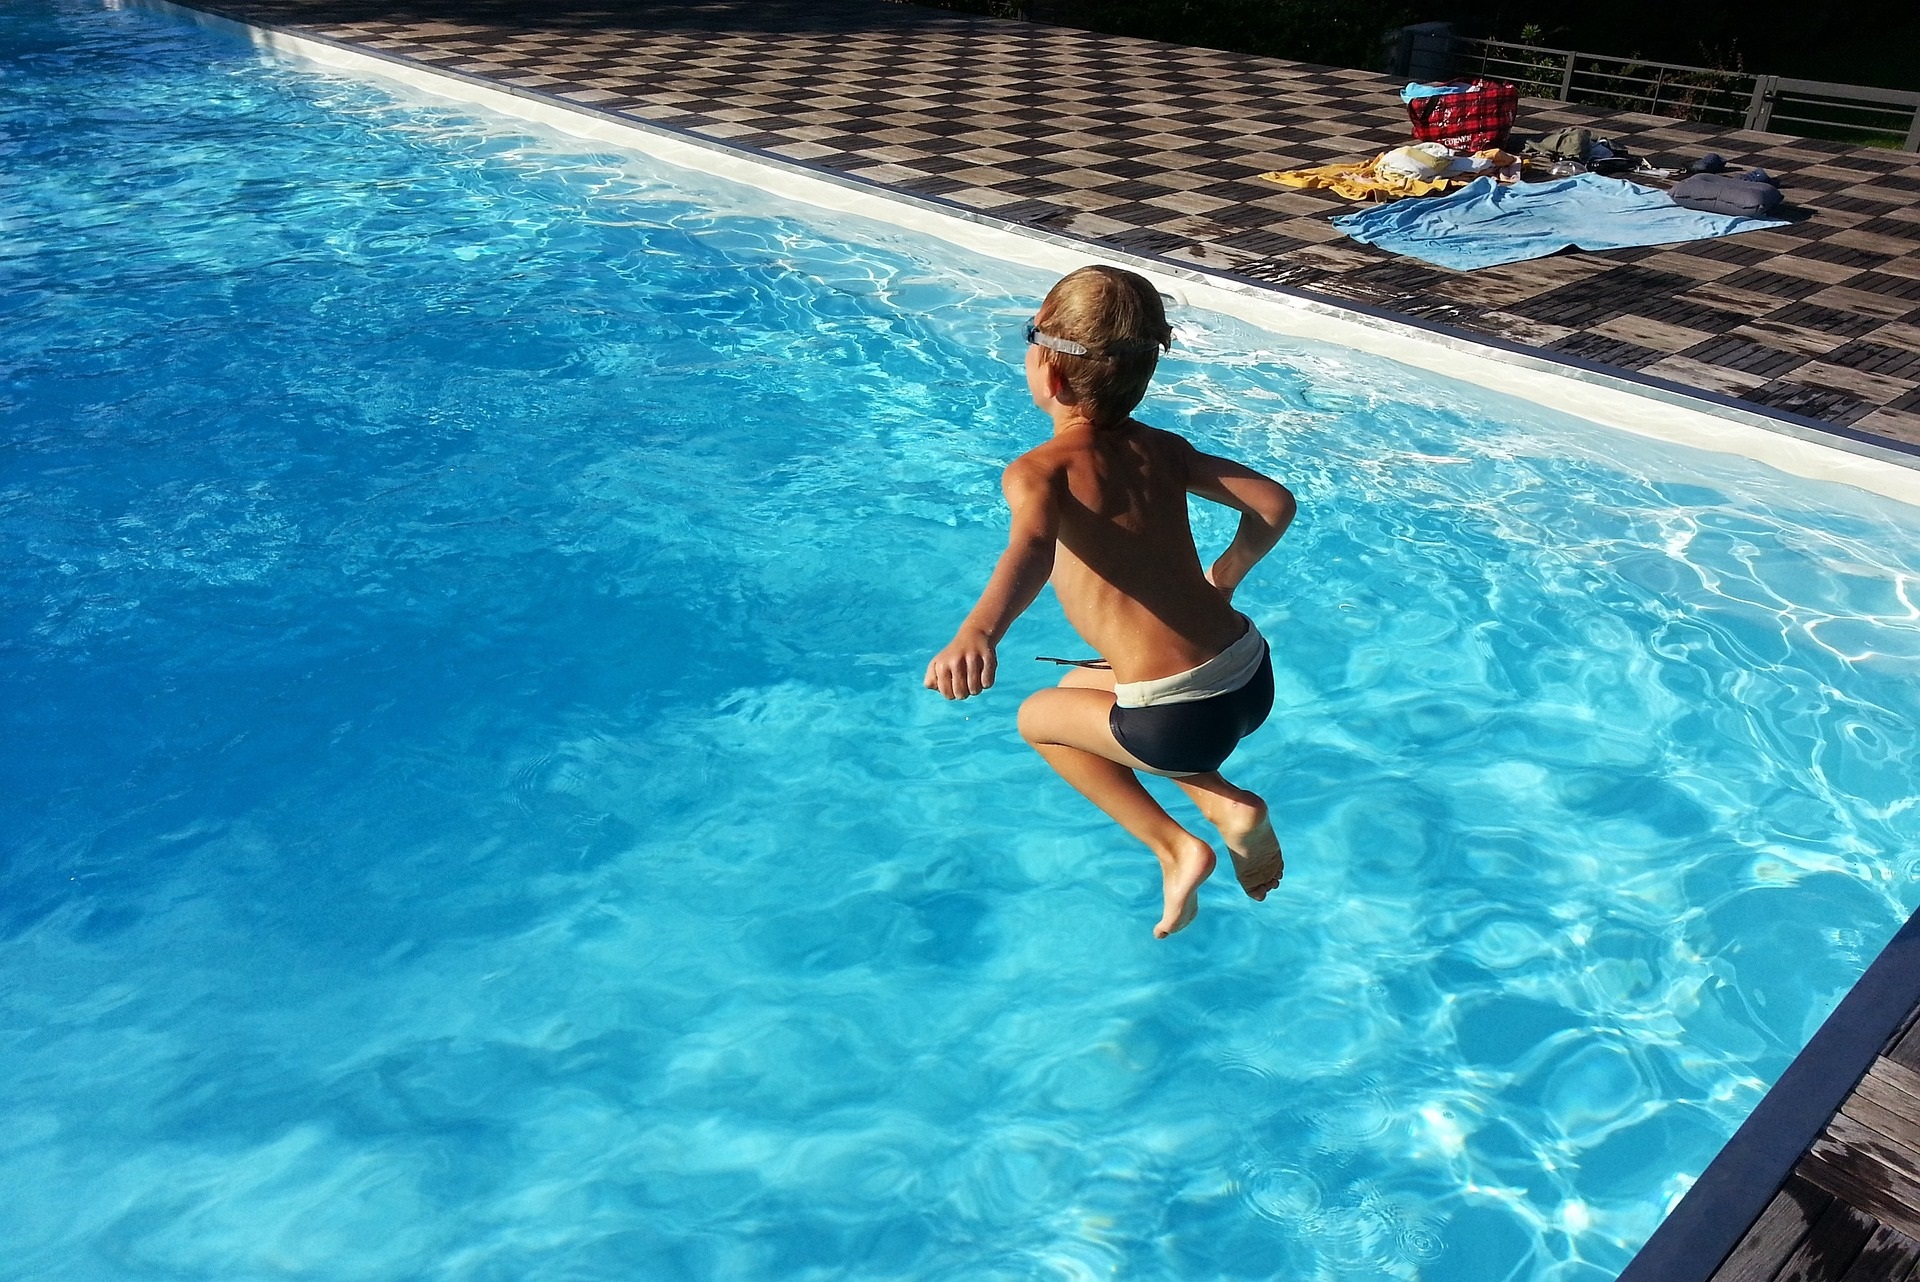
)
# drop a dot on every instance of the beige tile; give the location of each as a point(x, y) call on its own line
point(1483, 290)
point(884, 173)
point(1748, 302)
point(1091, 199)
point(1301, 205)
point(1658, 335)
point(1681, 263)
point(1518, 329)
point(808, 133)
point(1901, 425)
point(1899, 334)
point(1811, 269)
point(1908, 267)
point(1179, 180)
point(1789, 338)
point(802, 150)
point(1311, 230)
point(1082, 178)
point(1211, 256)
point(1771, 241)
point(981, 197)
point(984, 176)
point(1859, 300)
point(1836, 217)
point(987, 156)
point(1329, 257)
point(894, 155)
point(899, 135)
point(1090, 224)
point(988, 138)
point(1188, 202)
point(1713, 378)
point(1873, 243)
point(724, 129)
point(1877, 388)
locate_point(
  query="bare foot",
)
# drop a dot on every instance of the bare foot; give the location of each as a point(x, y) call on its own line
point(1255, 850)
point(1182, 872)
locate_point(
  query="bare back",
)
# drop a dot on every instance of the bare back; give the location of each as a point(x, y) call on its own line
point(1126, 570)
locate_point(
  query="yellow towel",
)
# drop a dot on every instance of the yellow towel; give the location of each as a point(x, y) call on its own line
point(1362, 181)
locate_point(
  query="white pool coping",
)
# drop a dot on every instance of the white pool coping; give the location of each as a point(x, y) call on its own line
point(1592, 395)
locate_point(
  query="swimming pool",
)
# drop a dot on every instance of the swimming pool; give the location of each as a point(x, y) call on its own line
point(471, 810)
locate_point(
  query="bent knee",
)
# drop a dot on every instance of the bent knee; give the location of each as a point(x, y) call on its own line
point(1061, 715)
point(1033, 718)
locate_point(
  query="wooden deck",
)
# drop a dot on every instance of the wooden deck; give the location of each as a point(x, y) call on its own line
point(1850, 1212)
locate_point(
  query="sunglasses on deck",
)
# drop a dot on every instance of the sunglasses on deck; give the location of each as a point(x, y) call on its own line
point(1067, 347)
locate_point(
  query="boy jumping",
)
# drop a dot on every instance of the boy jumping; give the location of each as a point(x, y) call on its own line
point(1101, 510)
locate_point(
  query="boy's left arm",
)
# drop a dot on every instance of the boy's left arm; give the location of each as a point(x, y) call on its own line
point(968, 664)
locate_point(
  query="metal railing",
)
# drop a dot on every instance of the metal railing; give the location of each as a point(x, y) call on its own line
point(1859, 114)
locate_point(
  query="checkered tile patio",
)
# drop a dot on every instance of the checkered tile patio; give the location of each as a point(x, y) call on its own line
point(1156, 149)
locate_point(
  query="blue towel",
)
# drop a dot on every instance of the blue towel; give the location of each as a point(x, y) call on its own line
point(1485, 224)
point(1416, 91)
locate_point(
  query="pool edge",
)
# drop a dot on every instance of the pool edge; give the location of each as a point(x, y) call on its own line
point(1617, 399)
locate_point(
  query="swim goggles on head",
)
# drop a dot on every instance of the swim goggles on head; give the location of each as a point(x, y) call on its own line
point(1067, 347)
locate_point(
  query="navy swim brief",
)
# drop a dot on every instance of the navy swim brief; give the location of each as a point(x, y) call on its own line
point(1194, 736)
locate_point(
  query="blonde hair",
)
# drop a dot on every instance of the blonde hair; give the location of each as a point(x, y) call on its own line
point(1117, 316)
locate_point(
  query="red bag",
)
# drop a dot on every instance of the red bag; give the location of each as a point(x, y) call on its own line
point(1478, 117)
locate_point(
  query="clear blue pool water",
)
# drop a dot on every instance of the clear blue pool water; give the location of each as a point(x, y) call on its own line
point(470, 812)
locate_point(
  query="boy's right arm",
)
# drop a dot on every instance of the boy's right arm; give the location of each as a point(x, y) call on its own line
point(968, 663)
point(1266, 509)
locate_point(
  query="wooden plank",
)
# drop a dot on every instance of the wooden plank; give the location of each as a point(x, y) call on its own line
point(1867, 1189)
point(1895, 1086)
point(1900, 1132)
point(1889, 1256)
point(1847, 1139)
point(1781, 1227)
point(1831, 1246)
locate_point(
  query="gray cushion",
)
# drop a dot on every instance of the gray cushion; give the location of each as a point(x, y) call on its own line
point(1724, 194)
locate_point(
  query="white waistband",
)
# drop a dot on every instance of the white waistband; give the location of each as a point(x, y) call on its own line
point(1224, 673)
